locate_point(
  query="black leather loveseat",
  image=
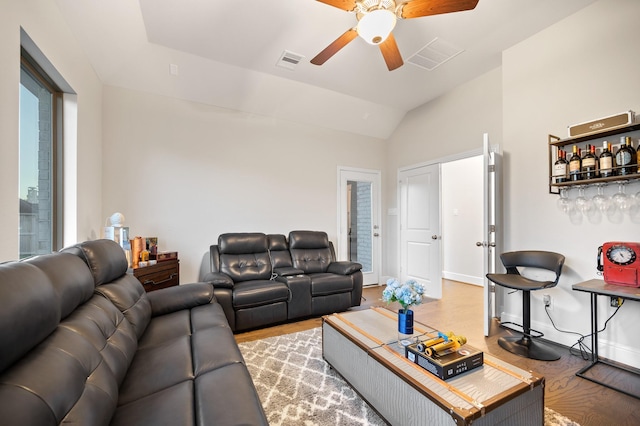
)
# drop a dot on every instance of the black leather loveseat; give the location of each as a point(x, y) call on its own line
point(82, 343)
point(263, 279)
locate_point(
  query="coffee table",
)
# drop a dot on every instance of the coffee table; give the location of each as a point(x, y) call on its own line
point(362, 347)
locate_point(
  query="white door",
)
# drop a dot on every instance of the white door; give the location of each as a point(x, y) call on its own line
point(359, 231)
point(492, 234)
point(420, 228)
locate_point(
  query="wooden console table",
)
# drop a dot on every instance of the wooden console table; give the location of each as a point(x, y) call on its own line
point(595, 288)
point(163, 274)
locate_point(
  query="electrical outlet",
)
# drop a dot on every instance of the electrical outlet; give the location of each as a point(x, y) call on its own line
point(546, 299)
point(615, 302)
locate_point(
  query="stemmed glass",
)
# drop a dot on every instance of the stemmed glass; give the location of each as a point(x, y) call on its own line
point(564, 203)
point(600, 201)
point(583, 204)
point(620, 199)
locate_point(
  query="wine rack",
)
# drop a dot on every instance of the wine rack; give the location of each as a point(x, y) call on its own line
point(611, 135)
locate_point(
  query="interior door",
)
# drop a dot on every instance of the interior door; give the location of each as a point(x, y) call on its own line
point(492, 220)
point(359, 214)
point(420, 251)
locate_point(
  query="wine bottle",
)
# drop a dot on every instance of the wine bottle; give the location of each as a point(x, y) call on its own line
point(575, 165)
point(588, 166)
point(606, 160)
point(634, 155)
point(624, 158)
point(560, 168)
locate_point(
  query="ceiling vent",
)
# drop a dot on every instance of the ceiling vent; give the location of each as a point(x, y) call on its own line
point(434, 54)
point(289, 60)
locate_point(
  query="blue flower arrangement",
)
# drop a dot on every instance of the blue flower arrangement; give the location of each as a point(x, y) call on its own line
point(407, 294)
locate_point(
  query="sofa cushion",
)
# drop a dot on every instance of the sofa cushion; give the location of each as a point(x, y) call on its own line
point(242, 243)
point(257, 293)
point(324, 284)
point(70, 278)
point(28, 313)
point(63, 380)
point(105, 259)
point(104, 326)
point(246, 267)
point(310, 251)
point(128, 295)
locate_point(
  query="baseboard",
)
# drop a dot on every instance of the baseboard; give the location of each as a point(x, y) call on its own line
point(469, 279)
point(606, 349)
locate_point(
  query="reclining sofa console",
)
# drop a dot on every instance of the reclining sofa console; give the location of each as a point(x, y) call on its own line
point(262, 279)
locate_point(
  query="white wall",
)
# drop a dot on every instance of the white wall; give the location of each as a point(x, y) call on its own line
point(44, 25)
point(582, 68)
point(187, 172)
point(450, 125)
point(462, 220)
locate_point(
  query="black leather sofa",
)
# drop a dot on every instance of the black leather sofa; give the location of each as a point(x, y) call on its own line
point(82, 343)
point(262, 279)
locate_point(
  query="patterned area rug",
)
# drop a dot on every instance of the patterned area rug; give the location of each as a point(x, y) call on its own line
point(297, 387)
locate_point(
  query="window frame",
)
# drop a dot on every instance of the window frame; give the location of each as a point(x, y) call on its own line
point(31, 67)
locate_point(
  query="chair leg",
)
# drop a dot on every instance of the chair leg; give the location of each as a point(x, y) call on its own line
point(525, 346)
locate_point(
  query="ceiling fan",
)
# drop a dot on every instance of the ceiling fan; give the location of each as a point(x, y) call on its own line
point(377, 18)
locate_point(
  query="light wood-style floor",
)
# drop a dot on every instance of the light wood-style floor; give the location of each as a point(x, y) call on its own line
point(460, 310)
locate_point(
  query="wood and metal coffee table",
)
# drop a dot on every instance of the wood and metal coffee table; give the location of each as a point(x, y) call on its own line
point(362, 347)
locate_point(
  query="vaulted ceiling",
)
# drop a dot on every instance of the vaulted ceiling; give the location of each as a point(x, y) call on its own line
point(226, 54)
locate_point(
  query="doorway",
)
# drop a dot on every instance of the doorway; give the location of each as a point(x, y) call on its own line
point(462, 220)
point(416, 201)
point(359, 233)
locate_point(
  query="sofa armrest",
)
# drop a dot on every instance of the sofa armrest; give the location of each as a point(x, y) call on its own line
point(344, 267)
point(218, 279)
point(177, 298)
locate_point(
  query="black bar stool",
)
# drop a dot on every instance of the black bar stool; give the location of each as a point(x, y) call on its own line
point(526, 346)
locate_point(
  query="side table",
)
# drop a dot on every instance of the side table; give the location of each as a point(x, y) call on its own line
point(595, 288)
point(163, 274)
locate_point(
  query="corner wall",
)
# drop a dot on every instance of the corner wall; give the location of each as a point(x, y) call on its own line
point(580, 69)
point(452, 124)
point(186, 172)
point(42, 22)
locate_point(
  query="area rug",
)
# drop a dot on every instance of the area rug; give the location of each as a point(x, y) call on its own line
point(297, 386)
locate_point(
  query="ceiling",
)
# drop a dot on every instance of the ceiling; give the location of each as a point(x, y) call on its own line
point(225, 53)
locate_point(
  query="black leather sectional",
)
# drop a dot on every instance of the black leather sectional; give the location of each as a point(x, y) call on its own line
point(264, 279)
point(82, 343)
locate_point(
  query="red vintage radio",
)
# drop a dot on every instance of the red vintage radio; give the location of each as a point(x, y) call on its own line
point(619, 263)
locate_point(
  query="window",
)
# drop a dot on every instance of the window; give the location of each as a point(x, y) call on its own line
point(39, 183)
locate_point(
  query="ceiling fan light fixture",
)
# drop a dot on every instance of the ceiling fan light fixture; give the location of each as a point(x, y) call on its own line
point(375, 26)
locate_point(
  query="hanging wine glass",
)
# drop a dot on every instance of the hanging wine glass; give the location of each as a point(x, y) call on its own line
point(620, 199)
point(601, 201)
point(564, 203)
point(583, 204)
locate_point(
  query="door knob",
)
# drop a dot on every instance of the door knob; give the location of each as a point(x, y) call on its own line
point(479, 243)
point(434, 237)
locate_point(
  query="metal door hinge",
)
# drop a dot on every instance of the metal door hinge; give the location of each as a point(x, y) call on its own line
point(492, 168)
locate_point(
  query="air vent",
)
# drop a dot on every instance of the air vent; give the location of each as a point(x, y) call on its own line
point(434, 54)
point(289, 60)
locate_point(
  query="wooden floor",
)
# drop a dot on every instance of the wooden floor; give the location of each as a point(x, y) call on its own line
point(460, 310)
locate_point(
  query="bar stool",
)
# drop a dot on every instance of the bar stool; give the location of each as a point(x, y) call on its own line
point(526, 346)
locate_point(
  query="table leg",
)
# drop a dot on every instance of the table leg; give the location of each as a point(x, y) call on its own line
point(594, 327)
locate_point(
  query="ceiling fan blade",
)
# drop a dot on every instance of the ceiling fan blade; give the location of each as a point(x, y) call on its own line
point(419, 8)
point(334, 47)
point(391, 53)
point(348, 5)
